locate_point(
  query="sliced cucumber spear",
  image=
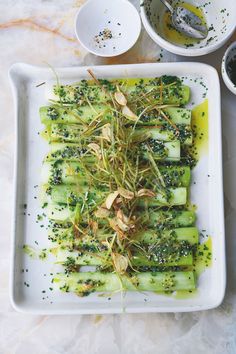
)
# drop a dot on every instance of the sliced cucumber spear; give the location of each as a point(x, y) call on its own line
point(76, 115)
point(79, 194)
point(171, 218)
point(85, 114)
point(80, 95)
point(172, 196)
point(167, 134)
point(104, 258)
point(169, 151)
point(84, 283)
point(60, 171)
point(67, 237)
point(73, 133)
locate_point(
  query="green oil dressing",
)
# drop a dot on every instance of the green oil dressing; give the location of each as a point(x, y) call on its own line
point(164, 293)
point(97, 319)
point(200, 130)
point(202, 261)
point(30, 251)
point(173, 35)
point(179, 294)
point(35, 254)
point(185, 294)
point(191, 207)
point(203, 258)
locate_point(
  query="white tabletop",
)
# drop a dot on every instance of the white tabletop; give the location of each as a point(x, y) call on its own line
point(41, 31)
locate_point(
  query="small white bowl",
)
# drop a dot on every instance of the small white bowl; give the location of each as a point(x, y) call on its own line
point(107, 27)
point(220, 17)
point(229, 54)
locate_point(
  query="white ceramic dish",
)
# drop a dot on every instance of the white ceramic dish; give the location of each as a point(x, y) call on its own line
point(220, 16)
point(207, 194)
point(229, 54)
point(96, 20)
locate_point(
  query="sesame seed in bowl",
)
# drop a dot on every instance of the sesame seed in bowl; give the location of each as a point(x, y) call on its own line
point(107, 28)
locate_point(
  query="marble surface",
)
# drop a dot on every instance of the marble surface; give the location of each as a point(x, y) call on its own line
point(40, 32)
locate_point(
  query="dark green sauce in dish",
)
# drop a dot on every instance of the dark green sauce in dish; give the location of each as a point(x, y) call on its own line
point(231, 69)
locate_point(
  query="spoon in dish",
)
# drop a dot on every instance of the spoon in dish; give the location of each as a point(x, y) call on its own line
point(186, 21)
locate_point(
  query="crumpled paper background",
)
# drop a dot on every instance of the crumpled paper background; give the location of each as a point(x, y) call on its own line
point(42, 32)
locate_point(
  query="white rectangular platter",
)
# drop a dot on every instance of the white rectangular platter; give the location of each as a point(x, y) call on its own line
point(30, 278)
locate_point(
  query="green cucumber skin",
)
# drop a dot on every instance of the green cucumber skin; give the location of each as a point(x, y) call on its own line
point(73, 152)
point(85, 114)
point(174, 218)
point(110, 282)
point(65, 115)
point(189, 234)
point(76, 194)
point(66, 213)
point(141, 260)
point(74, 94)
point(72, 173)
point(66, 237)
point(179, 115)
point(178, 176)
point(64, 151)
point(100, 259)
point(172, 152)
point(177, 196)
point(70, 194)
point(72, 133)
point(165, 134)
